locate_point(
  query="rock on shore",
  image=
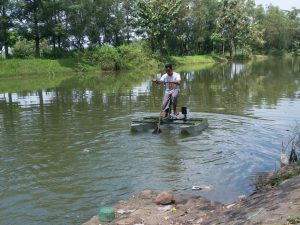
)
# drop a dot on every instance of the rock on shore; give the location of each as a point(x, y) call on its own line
point(150, 208)
point(269, 205)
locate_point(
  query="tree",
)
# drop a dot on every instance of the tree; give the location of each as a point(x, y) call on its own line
point(235, 28)
point(30, 14)
point(278, 29)
point(203, 24)
point(157, 19)
point(99, 14)
point(55, 28)
point(78, 17)
point(294, 17)
point(129, 8)
point(6, 24)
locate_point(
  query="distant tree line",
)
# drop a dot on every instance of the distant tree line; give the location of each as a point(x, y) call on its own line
point(52, 28)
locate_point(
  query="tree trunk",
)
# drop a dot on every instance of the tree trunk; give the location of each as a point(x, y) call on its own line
point(54, 35)
point(36, 36)
point(5, 30)
point(127, 30)
point(231, 48)
point(234, 51)
point(53, 42)
point(223, 48)
point(6, 50)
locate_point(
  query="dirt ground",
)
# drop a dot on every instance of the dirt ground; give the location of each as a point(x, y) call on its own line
point(268, 205)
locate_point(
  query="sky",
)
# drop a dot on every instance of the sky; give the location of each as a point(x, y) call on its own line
point(283, 4)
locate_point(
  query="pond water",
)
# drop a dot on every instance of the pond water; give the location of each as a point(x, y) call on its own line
point(66, 151)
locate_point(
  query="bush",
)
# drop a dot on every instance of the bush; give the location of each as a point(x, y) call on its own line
point(297, 52)
point(276, 52)
point(45, 48)
point(26, 48)
point(107, 57)
point(130, 55)
point(57, 53)
point(110, 58)
point(23, 49)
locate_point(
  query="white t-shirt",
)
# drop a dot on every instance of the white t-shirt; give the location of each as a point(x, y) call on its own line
point(169, 86)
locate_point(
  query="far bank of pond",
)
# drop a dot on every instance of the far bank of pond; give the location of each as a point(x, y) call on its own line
point(18, 75)
point(11, 68)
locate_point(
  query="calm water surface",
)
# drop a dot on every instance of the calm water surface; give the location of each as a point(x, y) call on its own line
point(66, 151)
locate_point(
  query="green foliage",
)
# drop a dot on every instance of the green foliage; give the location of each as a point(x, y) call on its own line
point(131, 56)
point(294, 170)
point(7, 26)
point(26, 48)
point(107, 57)
point(294, 220)
point(203, 24)
point(45, 48)
point(279, 30)
point(158, 19)
point(57, 53)
point(235, 27)
point(172, 27)
point(110, 58)
point(23, 49)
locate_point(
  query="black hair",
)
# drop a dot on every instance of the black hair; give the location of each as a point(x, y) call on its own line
point(168, 65)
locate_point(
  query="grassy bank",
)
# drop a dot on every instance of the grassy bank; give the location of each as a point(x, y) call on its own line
point(48, 67)
point(197, 62)
point(19, 75)
point(41, 67)
point(196, 59)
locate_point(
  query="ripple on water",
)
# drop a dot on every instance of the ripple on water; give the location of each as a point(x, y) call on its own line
point(77, 170)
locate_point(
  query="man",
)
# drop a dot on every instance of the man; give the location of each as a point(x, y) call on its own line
point(171, 80)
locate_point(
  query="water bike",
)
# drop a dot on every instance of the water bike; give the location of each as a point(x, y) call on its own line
point(186, 126)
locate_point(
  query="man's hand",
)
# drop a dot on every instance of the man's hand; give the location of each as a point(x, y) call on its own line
point(156, 81)
point(175, 82)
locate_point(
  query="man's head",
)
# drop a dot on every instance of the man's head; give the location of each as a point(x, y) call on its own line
point(169, 69)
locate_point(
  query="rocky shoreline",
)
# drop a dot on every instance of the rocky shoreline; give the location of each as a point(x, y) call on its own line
point(272, 203)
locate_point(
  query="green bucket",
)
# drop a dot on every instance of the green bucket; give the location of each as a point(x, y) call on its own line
point(106, 214)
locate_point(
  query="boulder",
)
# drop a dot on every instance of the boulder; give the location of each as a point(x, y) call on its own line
point(93, 221)
point(146, 194)
point(164, 198)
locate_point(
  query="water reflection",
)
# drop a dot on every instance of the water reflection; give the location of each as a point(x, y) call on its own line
point(67, 150)
point(231, 88)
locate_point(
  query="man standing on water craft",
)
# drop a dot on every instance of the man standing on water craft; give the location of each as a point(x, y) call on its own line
point(171, 80)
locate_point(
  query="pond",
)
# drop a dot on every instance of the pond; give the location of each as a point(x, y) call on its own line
point(67, 150)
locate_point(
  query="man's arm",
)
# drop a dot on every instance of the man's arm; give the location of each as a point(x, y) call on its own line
point(162, 82)
point(157, 81)
point(176, 82)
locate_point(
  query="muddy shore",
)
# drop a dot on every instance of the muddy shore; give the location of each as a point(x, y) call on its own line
point(272, 203)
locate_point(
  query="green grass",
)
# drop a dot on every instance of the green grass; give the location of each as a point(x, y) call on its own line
point(45, 67)
point(293, 220)
point(197, 59)
point(194, 67)
point(41, 67)
point(291, 171)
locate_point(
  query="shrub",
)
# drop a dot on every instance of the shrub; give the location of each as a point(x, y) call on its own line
point(107, 57)
point(128, 56)
point(23, 48)
point(45, 48)
point(26, 48)
point(110, 58)
point(57, 53)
